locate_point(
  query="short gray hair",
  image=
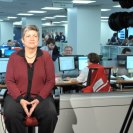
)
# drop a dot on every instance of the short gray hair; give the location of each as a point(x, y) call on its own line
point(29, 27)
point(68, 46)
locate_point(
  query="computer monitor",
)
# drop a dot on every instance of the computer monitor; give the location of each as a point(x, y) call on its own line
point(7, 53)
point(121, 34)
point(3, 48)
point(129, 62)
point(82, 62)
point(121, 60)
point(3, 64)
point(66, 63)
point(130, 31)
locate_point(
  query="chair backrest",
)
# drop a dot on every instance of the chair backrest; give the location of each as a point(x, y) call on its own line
point(98, 80)
point(93, 71)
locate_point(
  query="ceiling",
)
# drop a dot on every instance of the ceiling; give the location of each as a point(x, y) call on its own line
point(13, 7)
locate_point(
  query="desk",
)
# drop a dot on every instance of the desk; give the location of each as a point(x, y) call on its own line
point(62, 84)
point(2, 86)
point(121, 82)
point(66, 83)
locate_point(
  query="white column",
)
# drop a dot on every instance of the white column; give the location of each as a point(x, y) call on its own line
point(84, 25)
point(6, 32)
point(33, 21)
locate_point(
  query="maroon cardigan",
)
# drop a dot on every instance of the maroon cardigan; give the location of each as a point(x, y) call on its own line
point(43, 79)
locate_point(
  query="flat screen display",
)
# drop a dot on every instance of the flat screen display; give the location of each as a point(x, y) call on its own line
point(121, 60)
point(7, 53)
point(3, 64)
point(121, 34)
point(82, 62)
point(129, 62)
point(66, 63)
point(3, 48)
point(130, 31)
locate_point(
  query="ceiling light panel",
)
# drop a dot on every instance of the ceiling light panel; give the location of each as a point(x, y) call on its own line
point(105, 10)
point(82, 2)
point(34, 11)
point(10, 17)
point(25, 14)
point(51, 8)
point(60, 16)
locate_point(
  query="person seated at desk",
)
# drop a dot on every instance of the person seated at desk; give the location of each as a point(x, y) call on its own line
point(126, 51)
point(114, 39)
point(93, 58)
point(93, 62)
point(68, 50)
point(121, 70)
point(130, 40)
point(10, 43)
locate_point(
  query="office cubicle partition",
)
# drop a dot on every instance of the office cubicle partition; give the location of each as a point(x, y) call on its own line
point(93, 113)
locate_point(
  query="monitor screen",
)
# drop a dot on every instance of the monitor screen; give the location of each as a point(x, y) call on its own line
point(129, 62)
point(121, 34)
point(82, 62)
point(121, 60)
point(3, 64)
point(3, 48)
point(66, 63)
point(7, 53)
point(130, 31)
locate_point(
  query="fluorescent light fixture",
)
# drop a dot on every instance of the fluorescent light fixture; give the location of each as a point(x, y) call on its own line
point(64, 21)
point(7, 0)
point(60, 16)
point(17, 23)
point(105, 10)
point(25, 14)
point(11, 17)
point(105, 17)
point(37, 11)
point(47, 24)
point(43, 19)
point(117, 6)
point(51, 8)
point(82, 2)
point(49, 17)
point(56, 22)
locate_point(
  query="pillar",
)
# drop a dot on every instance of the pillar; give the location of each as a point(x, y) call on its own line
point(84, 25)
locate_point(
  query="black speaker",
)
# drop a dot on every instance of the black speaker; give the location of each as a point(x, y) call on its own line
point(119, 20)
point(125, 3)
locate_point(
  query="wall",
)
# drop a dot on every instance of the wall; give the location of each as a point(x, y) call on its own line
point(84, 29)
point(6, 34)
point(106, 32)
point(93, 113)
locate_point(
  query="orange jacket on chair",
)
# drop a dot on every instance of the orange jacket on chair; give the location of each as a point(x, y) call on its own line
point(99, 81)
